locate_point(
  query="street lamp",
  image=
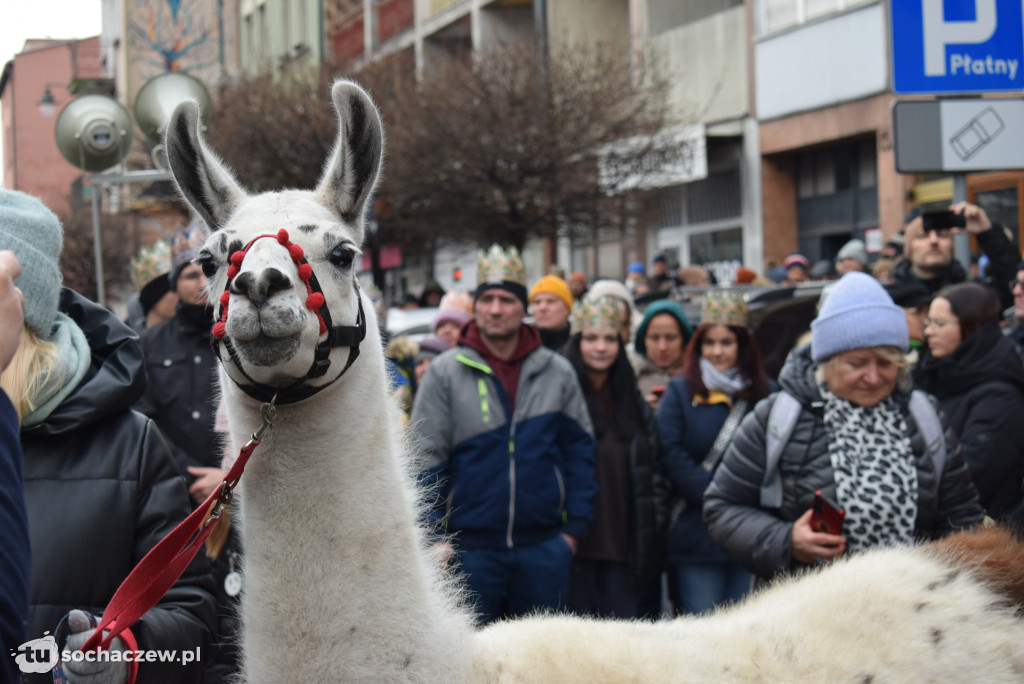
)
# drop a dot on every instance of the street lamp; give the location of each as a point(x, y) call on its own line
point(47, 103)
point(94, 133)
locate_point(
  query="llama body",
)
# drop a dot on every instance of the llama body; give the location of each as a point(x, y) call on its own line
point(339, 583)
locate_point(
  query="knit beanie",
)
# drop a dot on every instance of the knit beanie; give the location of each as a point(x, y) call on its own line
point(34, 234)
point(554, 285)
point(669, 306)
point(857, 313)
point(456, 316)
point(854, 249)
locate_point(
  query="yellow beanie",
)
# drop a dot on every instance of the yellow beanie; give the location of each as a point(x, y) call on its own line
point(553, 285)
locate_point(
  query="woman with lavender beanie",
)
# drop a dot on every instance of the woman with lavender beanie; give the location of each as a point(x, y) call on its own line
point(859, 437)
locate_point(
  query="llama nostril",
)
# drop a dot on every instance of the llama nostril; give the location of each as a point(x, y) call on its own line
point(262, 287)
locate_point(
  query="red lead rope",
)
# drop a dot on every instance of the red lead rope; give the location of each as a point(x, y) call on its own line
point(164, 564)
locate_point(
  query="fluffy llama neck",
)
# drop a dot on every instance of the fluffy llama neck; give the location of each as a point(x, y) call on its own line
point(337, 583)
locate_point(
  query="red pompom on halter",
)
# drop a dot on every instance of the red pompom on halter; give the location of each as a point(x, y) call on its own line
point(314, 300)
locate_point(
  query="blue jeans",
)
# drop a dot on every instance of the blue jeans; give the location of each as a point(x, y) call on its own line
point(526, 578)
point(698, 588)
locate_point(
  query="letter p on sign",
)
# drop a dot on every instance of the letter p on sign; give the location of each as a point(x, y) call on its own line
point(938, 33)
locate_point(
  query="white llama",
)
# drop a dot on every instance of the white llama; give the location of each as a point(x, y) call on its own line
point(339, 584)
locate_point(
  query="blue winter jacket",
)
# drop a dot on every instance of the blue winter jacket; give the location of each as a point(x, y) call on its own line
point(502, 481)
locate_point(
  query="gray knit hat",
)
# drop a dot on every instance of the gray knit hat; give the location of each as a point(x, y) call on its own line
point(33, 233)
point(857, 313)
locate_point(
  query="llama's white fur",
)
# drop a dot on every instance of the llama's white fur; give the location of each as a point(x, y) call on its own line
point(339, 583)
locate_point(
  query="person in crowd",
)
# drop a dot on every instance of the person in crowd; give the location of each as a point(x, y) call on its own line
point(618, 564)
point(180, 398)
point(853, 256)
point(797, 268)
point(745, 276)
point(823, 269)
point(693, 275)
point(509, 447)
point(929, 254)
point(430, 347)
point(551, 303)
point(431, 295)
point(913, 297)
point(722, 379)
point(858, 435)
point(578, 284)
point(636, 279)
point(882, 270)
point(629, 317)
point(457, 299)
point(660, 342)
point(155, 302)
point(660, 280)
point(15, 555)
point(448, 324)
point(893, 248)
point(978, 378)
point(101, 486)
point(1015, 323)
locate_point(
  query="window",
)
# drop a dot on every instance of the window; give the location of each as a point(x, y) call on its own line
point(775, 15)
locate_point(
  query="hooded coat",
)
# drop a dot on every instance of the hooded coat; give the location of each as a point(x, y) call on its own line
point(980, 387)
point(760, 539)
point(102, 489)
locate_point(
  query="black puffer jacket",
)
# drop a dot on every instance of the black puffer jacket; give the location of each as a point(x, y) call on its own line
point(980, 387)
point(760, 539)
point(650, 501)
point(102, 489)
point(182, 370)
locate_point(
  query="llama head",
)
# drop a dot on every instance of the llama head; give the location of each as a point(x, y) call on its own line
point(263, 248)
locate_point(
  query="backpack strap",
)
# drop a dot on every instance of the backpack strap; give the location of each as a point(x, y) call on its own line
point(927, 419)
point(781, 421)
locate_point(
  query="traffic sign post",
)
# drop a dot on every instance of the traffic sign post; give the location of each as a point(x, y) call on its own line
point(970, 46)
point(959, 135)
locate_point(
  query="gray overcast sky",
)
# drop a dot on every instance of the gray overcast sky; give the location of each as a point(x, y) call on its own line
point(24, 19)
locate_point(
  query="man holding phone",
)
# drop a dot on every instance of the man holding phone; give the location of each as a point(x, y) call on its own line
point(928, 249)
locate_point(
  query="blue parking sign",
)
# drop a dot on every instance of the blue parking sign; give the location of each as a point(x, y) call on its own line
point(957, 46)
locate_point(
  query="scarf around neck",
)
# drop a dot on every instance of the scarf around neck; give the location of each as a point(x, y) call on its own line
point(728, 382)
point(70, 366)
point(874, 471)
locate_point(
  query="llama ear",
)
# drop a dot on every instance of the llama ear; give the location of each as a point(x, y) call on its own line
point(202, 179)
point(352, 171)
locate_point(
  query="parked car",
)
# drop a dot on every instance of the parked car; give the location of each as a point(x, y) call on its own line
point(413, 323)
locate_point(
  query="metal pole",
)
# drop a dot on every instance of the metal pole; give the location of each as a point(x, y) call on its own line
point(961, 240)
point(97, 248)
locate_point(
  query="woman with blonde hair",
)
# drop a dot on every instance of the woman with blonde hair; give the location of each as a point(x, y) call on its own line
point(101, 486)
point(857, 434)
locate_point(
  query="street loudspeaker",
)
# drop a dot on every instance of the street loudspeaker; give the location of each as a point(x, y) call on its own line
point(156, 100)
point(94, 132)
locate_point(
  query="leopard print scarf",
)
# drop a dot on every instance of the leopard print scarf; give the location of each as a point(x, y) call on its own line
point(874, 471)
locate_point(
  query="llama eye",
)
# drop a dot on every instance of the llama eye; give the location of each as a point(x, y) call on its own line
point(342, 256)
point(208, 263)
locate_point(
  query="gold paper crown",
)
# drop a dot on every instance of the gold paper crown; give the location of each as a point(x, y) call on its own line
point(187, 242)
point(497, 264)
point(603, 311)
point(150, 263)
point(724, 307)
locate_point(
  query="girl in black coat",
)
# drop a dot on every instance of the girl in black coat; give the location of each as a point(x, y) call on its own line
point(618, 564)
point(978, 378)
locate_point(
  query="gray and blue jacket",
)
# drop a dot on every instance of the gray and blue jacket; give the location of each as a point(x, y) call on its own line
point(506, 479)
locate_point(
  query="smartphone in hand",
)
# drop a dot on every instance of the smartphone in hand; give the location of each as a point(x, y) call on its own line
point(826, 515)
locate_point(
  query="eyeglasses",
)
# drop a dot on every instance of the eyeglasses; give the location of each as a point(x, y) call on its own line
point(936, 323)
point(1014, 284)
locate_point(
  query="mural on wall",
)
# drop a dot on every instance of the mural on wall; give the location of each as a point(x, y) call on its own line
point(176, 35)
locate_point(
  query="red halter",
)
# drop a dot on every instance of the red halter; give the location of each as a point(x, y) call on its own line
point(314, 300)
point(337, 335)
